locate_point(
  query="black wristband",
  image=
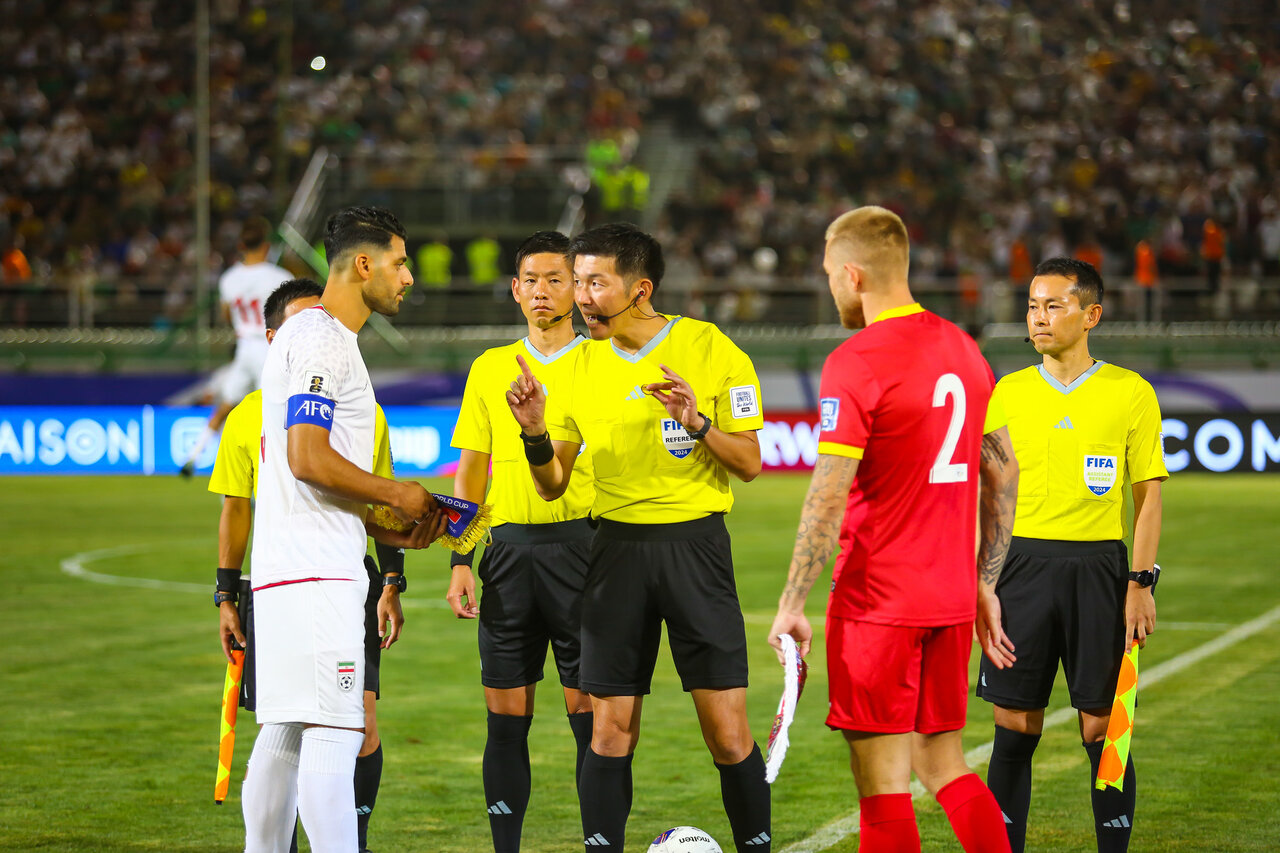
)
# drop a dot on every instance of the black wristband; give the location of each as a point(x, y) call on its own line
point(456, 559)
point(541, 451)
point(228, 580)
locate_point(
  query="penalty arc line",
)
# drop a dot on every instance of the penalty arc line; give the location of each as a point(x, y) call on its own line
point(831, 834)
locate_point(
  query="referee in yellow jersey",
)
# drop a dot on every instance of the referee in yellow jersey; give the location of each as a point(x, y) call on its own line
point(667, 408)
point(235, 476)
point(1081, 429)
point(534, 571)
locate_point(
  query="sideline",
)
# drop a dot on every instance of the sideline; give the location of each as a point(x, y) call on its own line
point(840, 828)
point(75, 566)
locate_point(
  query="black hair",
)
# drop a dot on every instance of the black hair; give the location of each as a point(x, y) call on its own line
point(635, 254)
point(294, 288)
point(543, 242)
point(1088, 283)
point(353, 227)
point(255, 231)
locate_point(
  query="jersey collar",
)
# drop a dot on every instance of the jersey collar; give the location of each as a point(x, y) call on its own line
point(547, 359)
point(900, 311)
point(649, 347)
point(1076, 383)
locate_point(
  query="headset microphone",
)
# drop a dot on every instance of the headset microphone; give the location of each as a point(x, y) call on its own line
point(1026, 340)
point(559, 317)
point(629, 306)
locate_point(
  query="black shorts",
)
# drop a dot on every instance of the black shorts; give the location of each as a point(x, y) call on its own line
point(1060, 601)
point(642, 575)
point(531, 595)
point(372, 642)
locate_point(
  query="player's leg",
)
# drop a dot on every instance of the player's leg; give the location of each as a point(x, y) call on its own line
point(270, 793)
point(1028, 591)
point(505, 766)
point(368, 772)
point(881, 765)
point(577, 706)
point(1091, 664)
point(561, 574)
point(722, 716)
point(236, 382)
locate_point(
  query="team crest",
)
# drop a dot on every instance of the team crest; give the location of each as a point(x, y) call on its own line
point(346, 674)
point(676, 439)
point(1100, 473)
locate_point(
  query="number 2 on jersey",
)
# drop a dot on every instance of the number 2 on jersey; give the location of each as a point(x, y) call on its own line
point(944, 470)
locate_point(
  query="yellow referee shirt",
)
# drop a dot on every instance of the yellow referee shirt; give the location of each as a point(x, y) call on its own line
point(1077, 446)
point(648, 469)
point(486, 425)
point(235, 472)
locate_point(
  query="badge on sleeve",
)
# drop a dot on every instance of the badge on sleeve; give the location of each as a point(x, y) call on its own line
point(829, 408)
point(743, 401)
point(1100, 473)
point(319, 382)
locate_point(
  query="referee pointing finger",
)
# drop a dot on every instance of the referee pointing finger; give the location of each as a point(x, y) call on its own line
point(667, 408)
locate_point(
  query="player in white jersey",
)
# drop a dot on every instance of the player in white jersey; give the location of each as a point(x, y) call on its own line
point(314, 492)
point(243, 290)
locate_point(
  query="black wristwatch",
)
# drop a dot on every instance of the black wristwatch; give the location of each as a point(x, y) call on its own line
point(397, 581)
point(1146, 579)
point(701, 432)
point(219, 597)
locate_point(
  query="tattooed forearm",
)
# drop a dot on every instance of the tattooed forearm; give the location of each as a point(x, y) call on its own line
point(997, 504)
point(819, 529)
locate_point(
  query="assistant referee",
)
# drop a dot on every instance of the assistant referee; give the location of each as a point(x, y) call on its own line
point(1080, 429)
point(667, 408)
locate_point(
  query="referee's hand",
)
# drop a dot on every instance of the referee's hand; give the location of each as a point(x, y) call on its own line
point(462, 593)
point(1139, 615)
point(528, 401)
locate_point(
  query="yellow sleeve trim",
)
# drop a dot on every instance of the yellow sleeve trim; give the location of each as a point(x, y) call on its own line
point(832, 449)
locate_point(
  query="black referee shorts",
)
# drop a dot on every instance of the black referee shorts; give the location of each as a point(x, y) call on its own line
point(642, 575)
point(532, 578)
point(1060, 601)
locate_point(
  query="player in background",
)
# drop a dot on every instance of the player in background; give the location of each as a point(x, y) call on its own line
point(243, 290)
point(1081, 428)
point(310, 580)
point(235, 475)
point(534, 571)
point(661, 552)
point(908, 450)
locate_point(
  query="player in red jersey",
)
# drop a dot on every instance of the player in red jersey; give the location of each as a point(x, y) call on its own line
point(907, 445)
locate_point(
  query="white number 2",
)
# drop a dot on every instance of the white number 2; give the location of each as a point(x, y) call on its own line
point(944, 470)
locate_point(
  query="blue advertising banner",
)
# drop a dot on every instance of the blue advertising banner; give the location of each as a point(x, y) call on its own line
point(157, 440)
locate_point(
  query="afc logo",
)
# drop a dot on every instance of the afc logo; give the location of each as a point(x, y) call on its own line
point(310, 409)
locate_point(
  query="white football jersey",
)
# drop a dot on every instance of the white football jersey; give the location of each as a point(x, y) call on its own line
point(314, 374)
point(244, 289)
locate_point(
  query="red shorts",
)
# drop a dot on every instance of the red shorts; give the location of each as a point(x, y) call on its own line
point(892, 679)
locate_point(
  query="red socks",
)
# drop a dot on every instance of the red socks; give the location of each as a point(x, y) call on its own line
point(974, 815)
point(888, 825)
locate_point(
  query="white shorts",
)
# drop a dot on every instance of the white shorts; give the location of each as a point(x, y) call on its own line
point(310, 656)
point(244, 374)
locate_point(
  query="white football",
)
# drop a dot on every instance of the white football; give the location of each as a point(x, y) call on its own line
point(684, 839)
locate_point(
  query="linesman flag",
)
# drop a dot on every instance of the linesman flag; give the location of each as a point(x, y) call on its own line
point(227, 737)
point(1115, 749)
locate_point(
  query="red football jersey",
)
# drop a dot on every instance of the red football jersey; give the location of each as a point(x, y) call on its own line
point(908, 397)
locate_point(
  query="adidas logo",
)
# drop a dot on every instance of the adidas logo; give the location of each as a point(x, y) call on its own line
point(636, 394)
point(362, 810)
point(500, 807)
point(1006, 817)
point(1121, 822)
point(597, 840)
point(762, 838)
point(1065, 423)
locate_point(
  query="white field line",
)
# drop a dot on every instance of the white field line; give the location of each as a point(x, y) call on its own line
point(75, 566)
point(831, 834)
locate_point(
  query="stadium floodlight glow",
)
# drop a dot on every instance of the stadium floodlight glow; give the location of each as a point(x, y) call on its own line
point(318, 63)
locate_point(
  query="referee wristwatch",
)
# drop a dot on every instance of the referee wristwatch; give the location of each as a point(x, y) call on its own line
point(397, 581)
point(1146, 580)
point(701, 432)
point(220, 597)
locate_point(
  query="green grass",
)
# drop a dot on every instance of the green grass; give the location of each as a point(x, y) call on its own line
point(110, 693)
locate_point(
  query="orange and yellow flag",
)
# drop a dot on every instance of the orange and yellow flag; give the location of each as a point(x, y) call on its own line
point(1115, 749)
point(227, 738)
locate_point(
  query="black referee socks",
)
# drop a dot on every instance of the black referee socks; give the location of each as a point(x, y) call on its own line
point(581, 725)
point(1009, 778)
point(368, 778)
point(1112, 809)
point(746, 802)
point(506, 778)
point(604, 792)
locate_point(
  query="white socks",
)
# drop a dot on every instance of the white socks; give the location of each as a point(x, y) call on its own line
point(270, 792)
point(326, 794)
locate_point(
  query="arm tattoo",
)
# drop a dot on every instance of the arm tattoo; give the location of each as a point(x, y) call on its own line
point(819, 529)
point(998, 501)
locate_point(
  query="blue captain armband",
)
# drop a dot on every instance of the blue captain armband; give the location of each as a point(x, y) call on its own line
point(309, 409)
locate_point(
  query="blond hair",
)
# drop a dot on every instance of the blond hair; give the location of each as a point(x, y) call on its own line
point(873, 238)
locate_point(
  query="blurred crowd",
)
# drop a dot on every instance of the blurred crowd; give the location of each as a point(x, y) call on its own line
point(1002, 130)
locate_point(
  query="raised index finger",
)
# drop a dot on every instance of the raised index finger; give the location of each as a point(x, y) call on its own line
point(524, 368)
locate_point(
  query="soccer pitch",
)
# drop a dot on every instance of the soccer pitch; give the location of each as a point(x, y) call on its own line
point(113, 677)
